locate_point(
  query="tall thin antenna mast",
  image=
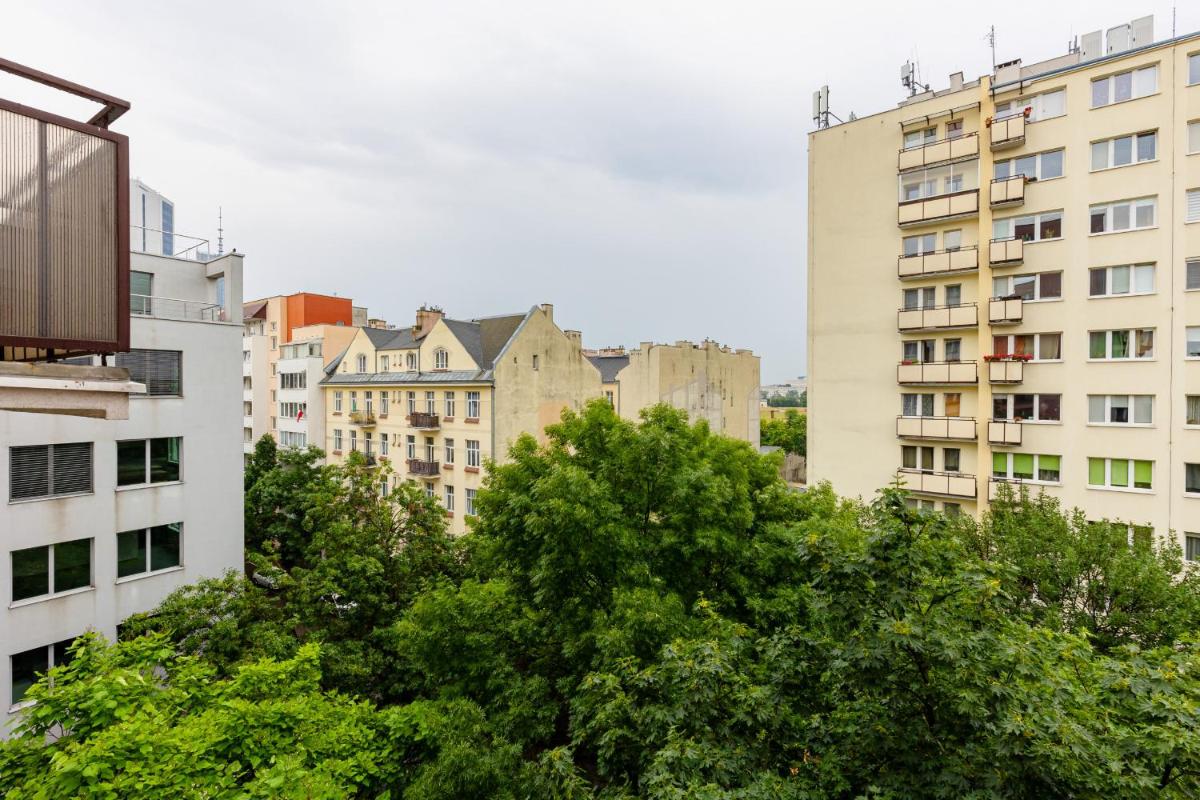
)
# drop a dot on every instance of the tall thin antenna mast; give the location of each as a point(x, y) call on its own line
point(220, 231)
point(991, 37)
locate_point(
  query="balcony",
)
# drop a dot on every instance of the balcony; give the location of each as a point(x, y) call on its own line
point(945, 484)
point(362, 417)
point(1006, 370)
point(956, 428)
point(965, 315)
point(941, 373)
point(429, 469)
point(69, 389)
point(939, 262)
point(945, 150)
point(1004, 432)
point(1007, 192)
point(1006, 252)
point(1016, 484)
point(938, 209)
point(142, 305)
point(1005, 310)
point(426, 421)
point(1007, 132)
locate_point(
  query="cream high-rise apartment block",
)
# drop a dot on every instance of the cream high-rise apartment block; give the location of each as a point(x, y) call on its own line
point(1003, 288)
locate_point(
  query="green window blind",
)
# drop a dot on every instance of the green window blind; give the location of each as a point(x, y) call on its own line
point(1000, 465)
point(1022, 465)
point(1142, 474)
point(1096, 471)
point(1119, 472)
point(1050, 462)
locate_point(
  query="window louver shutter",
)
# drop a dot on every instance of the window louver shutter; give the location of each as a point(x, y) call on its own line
point(28, 472)
point(72, 468)
point(1193, 205)
point(160, 370)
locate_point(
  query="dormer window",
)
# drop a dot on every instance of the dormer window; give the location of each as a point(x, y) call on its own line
point(411, 361)
point(362, 363)
point(441, 359)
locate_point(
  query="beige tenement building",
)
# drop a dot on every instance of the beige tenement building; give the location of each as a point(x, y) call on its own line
point(1041, 324)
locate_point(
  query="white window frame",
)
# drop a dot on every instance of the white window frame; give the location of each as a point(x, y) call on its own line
point(1008, 224)
point(1191, 206)
point(1010, 166)
point(918, 399)
point(337, 402)
point(1109, 210)
point(1010, 281)
point(1037, 345)
point(441, 358)
point(361, 363)
point(1010, 403)
point(939, 181)
point(1037, 468)
point(469, 506)
point(449, 404)
point(1036, 104)
point(383, 444)
point(474, 453)
point(1130, 405)
point(1110, 151)
point(919, 138)
point(448, 498)
point(1133, 282)
point(384, 403)
point(1133, 336)
point(449, 451)
point(1134, 76)
point(1191, 333)
point(1107, 485)
point(1193, 137)
point(474, 403)
point(337, 439)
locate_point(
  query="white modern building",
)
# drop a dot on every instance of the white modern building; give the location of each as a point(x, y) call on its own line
point(300, 369)
point(102, 518)
point(151, 220)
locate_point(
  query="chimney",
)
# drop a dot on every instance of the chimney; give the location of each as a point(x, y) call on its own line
point(549, 309)
point(427, 317)
point(956, 82)
point(575, 337)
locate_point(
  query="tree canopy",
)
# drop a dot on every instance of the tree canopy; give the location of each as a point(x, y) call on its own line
point(639, 611)
point(789, 433)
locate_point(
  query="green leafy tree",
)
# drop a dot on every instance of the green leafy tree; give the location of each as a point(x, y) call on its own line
point(789, 433)
point(790, 399)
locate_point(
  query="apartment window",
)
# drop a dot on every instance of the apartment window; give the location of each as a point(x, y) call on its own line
point(953, 293)
point(441, 359)
point(1124, 150)
point(473, 458)
point(337, 402)
point(1121, 280)
point(410, 443)
point(1120, 345)
point(449, 498)
point(1193, 341)
point(1193, 137)
point(293, 380)
point(383, 363)
point(1191, 478)
point(353, 401)
point(1026, 467)
point(919, 351)
point(1120, 473)
point(919, 458)
point(293, 410)
point(51, 569)
point(919, 245)
point(1120, 409)
point(430, 449)
point(274, 344)
point(951, 459)
point(1193, 206)
point(952, 348)
point(337, 439)
point(1038, 166)
point(920, 138)
point(353, 440)
point(1124, 215)
point(28, 666)
point(1192, 409)
point(367, 442)
point(160, 370)
point(362, 363)
point(938, 181)
point(473, 405)
point(449, 397)
point(1041, 106)
point(916, 405)
point(470, 498)
point(383, 403)
point(383, 488)
point(430, 403)
point(292, 439)
point(369, 402)
point(1124, 86)
point(1042, 346)
point(411, 361)
point(608, 395)
point(952, 240)
point(1030, 227)
point(49, 470)
point(1193, 68)
point(1030, 288)
point(412, 402)
point(1027, 407)
point(920, 298)
point(383, 444)
point(149, 549)
point(954, 129)
point(140, 290)
point(430, 492)
point(1192, 546)
point(953, 403)
point(1193, 274)
point(449, 451)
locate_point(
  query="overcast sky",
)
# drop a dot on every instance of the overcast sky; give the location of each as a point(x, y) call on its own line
point(640, 165)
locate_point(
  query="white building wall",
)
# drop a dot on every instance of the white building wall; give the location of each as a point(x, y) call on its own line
point(207, 498)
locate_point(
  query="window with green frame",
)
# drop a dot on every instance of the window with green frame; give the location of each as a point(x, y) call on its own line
point(1120, 473)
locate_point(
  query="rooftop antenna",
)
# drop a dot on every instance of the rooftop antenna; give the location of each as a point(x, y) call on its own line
point(991, 37)
point(909, 78)
point(821, 112)
point(220, 232)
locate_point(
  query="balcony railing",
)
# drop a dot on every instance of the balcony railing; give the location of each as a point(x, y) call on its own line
point(962, 428)
point(1007, 132)
point(965, 259)
point(964, 315)
point(1007, 191)
point(944, 150)
point(948, 484)
point(937, 209)
point(1032, 486)
point(168, 243)
point(1006, 371)
point(938, 372)
point(144, 305)
point(1005, 310)
point(419, 420)
point(1008, 252)
point(1004, 432)
point(418, 466)
point(362, 417)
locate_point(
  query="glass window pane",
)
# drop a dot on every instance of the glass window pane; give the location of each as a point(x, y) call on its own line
point(1097, 283)
point(1122, 86)
point(1096, 471)
point(1118, 409)
point(1145, 214)
point(164, 546)
point(1000, 286)
point(950, 459)
point(911, 299)
point(1122, 151)
point(1194, 68)
point(1143, 278)
point(1024, 228)
point(1120, 217)
point(1048, 467)
point(1193, 274)
point(72, 565)
point(951, 239)
point(1050, 347)
point(131, 553)
point(911, 247)
point(1003, 168)
point(25, 669)
point(1193, 409)
point(1096, 408)
point(1099, 220)
point(1118, 472)
point(1024, 286)
point(164, 460)
point(1120, 344)
point(1145, 344)
point(1193, 548)
point(953, 404)
point(1191, 478)
point(954, 295)
point(927, 458)
point(1100, 93)
point(1120, 280)
point(1052, 165)
point(1143, 409)
point(131, 462)
point(1147, 146)
point(1051, 227)
point(1049, 407)
point(1025, 165)
point(1022, 406)
point(908, 457)
point(1050, 285)
point(1099, 155)
point(1145, 81)
point(1096, 343)
point(30, 572)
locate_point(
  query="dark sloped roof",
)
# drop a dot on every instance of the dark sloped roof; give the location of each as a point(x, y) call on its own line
point(255, 309)
point(469, 335)
point(495, 333)
point(609, 366)
point(388, 339)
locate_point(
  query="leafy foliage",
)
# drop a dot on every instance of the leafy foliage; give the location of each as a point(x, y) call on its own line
point(790, 433)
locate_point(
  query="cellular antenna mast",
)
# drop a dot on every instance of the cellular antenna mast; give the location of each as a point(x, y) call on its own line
point(991, 37)
point(821, 112)
point(220, 232)
point(910, 78)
